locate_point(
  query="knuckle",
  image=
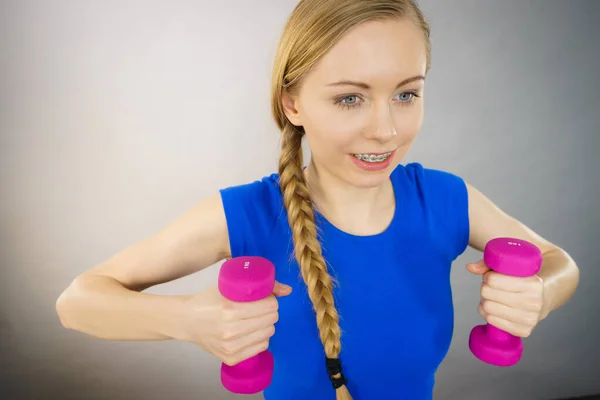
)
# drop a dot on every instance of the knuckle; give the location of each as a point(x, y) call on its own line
point(271, 331)
point(227, 304)
point(227, 334)
point(272, 303)
point(228, 312)
point(275, 317)
point(228, 350)
point(530, 320)
point(264, 345)
point(480, 310)
point(485, 290)
point(486, 305)
point(491, 278)
point(228, 360)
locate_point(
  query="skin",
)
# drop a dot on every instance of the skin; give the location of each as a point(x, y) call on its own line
point(380, 54)
point(385, 117)
point(340, 120)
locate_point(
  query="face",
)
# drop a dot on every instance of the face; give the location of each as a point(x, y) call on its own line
point(363, 100)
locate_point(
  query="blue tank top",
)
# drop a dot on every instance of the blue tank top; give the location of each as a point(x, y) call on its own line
point(393, 289)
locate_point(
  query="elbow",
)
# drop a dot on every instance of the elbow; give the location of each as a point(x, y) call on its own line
point(71, 301)
point(567, 276)
point(576, 275)
point(571, 271)
point(63, 307)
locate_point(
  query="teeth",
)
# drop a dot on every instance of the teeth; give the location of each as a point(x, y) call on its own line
point(372, 157)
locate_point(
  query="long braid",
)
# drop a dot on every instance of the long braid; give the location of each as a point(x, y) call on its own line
point(312, 29)
point(308, 251)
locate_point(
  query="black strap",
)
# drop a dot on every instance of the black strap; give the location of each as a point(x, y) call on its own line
point(334, 367)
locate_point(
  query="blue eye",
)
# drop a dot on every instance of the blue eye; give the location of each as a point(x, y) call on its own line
point(406, 96)
point(350, 102)
point(354, 101)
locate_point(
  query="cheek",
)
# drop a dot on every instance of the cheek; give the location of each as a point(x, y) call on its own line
point(408, 121)
point(330, 131)
point(329, 144)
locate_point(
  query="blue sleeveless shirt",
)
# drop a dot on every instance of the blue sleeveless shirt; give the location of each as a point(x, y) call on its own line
point(392, 289)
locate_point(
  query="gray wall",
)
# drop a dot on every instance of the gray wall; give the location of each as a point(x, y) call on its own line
point(114, 113)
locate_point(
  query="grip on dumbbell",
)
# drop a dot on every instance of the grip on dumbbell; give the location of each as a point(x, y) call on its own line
point(513, 257)
point(245, 279)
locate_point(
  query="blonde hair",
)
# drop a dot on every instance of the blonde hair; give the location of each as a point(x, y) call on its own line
point(311, 30)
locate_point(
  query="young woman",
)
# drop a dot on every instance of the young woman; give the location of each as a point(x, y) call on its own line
point(349, 77)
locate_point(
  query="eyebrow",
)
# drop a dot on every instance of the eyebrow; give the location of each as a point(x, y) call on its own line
point(367, 86)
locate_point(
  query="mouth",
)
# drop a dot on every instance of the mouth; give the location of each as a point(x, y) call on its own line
point(373, 157)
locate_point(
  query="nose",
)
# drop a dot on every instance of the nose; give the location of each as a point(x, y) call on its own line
point(381, 126)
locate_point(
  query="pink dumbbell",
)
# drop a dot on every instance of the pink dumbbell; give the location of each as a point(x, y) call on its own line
point(245, 279)
point(512, 257)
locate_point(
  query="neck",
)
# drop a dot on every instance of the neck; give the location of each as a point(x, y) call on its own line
point(360, 211)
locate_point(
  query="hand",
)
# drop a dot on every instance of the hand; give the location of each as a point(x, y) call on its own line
point(231, 331)
point(513, 304)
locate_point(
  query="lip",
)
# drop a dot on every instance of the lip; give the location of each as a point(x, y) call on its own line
point(366, 166)
point(376, 154)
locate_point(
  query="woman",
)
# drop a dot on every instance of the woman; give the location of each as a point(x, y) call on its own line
point(349, 77)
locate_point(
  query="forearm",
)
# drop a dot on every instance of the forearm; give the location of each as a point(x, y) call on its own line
point(101, 307)
point(560, 276)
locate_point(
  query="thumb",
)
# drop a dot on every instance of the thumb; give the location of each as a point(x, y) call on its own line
point(281, 290)
point(478, 267)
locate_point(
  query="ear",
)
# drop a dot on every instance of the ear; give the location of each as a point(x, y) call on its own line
point(290, 107)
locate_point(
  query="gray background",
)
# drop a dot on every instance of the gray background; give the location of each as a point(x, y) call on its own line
point(115, 116)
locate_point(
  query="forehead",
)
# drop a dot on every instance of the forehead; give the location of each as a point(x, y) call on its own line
point(376, 51)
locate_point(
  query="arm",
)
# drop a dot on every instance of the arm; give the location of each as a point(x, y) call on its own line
point(106, 301)
point(559, 273)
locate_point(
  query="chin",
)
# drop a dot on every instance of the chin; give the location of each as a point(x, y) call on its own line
point(367, 179)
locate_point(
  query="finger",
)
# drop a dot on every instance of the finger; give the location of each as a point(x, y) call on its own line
point(513, 315)
point(509, 326)
point(512, 299)
point(246, 353)
point(482, 312)
point(281, 289)
point(505, 325)
point(251, 339)
point(510, 283)
point(254, 309)
point(235, 330)
point(478, 267)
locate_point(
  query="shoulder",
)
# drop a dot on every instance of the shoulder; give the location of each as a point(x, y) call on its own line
point(443, 194)
point(251, 210)
point(263, 190)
